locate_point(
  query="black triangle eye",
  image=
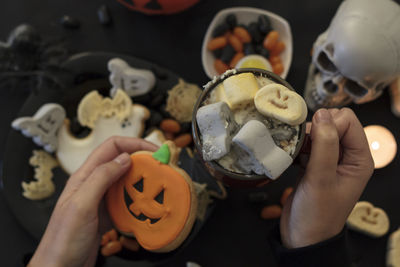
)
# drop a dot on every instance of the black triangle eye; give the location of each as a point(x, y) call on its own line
point(160, 197)
point(139, 185)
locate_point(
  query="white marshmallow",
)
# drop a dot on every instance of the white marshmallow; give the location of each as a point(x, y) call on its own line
point(240, 89)
point(260, 154)
point(217, 126)
point(279, 102)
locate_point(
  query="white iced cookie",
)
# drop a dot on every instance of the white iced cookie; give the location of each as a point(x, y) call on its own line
point(393, 250)
point(216, 125)
point(367, 219)
point(133, 81)
point(43, 126)
point(259, 152)
point(43, 187)
point(106, 118)
point(240, 89)
point(277, 101)
point(156, 137)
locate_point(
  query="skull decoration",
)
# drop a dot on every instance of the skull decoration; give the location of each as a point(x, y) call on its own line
point(357, 56)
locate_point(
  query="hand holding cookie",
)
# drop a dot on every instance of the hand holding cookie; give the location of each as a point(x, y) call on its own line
point(326, 195)
point(73, 234)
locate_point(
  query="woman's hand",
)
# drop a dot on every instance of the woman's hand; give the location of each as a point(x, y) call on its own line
point(325, 196)
point(73, 234)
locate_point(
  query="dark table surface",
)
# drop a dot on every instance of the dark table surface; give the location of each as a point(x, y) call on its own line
point(234, 235)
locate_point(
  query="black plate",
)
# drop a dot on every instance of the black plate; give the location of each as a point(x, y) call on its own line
point(84, 72)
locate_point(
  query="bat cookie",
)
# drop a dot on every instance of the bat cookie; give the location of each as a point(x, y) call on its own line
point(155, 201)
point(43, 186)
point(106, 117)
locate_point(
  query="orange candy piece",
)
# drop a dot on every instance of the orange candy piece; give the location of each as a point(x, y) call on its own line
point(129, 243)
point(277, 68)
point(271, 212)
point(286, 193)
point(271, 40)
point(243, 35)
point(111, 235)
point(217, 43)
point(278, 48)
point(235, 43)
point(170, 126)
point(274, 60)
point(111, 248)
point(183, 140)
point(238, 56)
point(220, 66)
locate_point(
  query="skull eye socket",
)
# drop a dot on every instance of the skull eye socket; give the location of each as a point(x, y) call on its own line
point(325, 63)
point(139, 185)
point(330, 87)
point(354, 89)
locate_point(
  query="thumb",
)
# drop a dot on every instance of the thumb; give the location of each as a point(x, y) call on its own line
point(102, 177)
point(324, 150)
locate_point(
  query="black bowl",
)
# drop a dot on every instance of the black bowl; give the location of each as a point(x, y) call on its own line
point(228, 177)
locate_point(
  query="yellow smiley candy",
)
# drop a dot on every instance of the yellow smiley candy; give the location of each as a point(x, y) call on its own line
point(277, 101)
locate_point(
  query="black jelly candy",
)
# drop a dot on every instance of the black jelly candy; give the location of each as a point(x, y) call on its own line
point(248, 49)
point(70, 22)
point(104, 15)
point(227, 54)
point(231, 20)
point(264, 24)
point(256, 35)
point(221, 29)
point(155, 118)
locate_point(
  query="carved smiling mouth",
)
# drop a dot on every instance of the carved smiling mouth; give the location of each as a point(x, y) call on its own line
point(141, 217)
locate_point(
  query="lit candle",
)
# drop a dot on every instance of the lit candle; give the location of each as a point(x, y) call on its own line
point(382, 144)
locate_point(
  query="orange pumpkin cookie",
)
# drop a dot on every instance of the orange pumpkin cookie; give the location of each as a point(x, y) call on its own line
point(155, 201)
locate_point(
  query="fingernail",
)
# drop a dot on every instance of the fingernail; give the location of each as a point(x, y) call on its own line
point(323, 115)
point(123, 159)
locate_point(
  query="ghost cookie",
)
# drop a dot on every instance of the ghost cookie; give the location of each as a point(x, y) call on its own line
point(216, 125)
point(133, 81)
point(155, 201)
point(393, 250)
point(106, 117)
point(367, 219)
point(279, 102)
point(240, 89)
point(259, 153)
point(43, 187)
point(43, 126)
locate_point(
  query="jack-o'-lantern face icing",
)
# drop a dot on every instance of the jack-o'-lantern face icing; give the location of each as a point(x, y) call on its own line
point(152, 201)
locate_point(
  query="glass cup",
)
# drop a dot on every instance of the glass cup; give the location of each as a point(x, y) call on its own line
point(228, 177)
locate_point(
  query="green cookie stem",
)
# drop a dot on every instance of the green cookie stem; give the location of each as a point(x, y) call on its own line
point(162, 154)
